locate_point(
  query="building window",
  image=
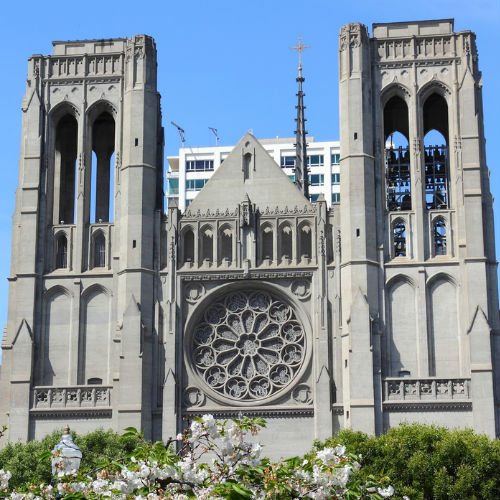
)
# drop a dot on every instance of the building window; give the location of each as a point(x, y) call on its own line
point(315, 161)
point(305, 241)
point(316, 180)
point(398, 178)
point(267, 242)
point(195, 184)
point(314, 197)
point(207, 245)
point(399, 238)
point(99, 250)
point(188, 246)
point(173, 186)
point(335, 178)
point(439, 230)
point(335, 159)
point(436, 177)
point(287, 162)
point(335, 197)
point(61, 252)
point(292, 177)
point(199, 165)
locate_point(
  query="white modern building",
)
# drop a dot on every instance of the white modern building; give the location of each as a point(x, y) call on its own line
point(190, 171)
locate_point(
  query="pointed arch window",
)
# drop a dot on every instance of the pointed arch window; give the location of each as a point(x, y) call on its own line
point(207, 245)
point(99, 250)
point(305, 241)
point(286, 241)
point(66, 140)
point(188, 245)
point(439, 237)
point(267, 242)
point(399, 238)
point(61, 252)
point(397, 156)
point(226, 243)
point(436, 162)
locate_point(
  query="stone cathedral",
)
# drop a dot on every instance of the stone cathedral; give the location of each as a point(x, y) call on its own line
point(255, 301)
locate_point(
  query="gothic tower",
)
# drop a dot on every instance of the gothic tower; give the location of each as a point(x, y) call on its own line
point(419, 284)
point(85, 231)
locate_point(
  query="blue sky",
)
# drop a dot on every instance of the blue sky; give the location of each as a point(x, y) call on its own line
point(226, 64)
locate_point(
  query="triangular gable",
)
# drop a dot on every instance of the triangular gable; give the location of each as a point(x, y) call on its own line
point(249, 171)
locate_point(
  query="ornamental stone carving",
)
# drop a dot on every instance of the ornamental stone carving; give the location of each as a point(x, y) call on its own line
point(194, 292)
point(248, 346)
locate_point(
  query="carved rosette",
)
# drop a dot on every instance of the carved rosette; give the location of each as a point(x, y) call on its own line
point(248, 346)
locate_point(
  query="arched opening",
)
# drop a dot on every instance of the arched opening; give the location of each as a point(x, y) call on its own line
point(99, 250)
point(439, 236)
point(66, 150)
point(188, 245)
point(285, 242)
point(226, 244)
point(207, 245)
point(103, 147)
point(305, 241)
point(436, 152)
point(397, 155)
point(267, 242)
point(61, 252)
point(399, 238)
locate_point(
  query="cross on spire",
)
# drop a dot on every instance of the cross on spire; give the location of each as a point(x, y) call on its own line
point(300, 47)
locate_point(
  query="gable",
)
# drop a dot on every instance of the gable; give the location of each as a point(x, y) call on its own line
point(249, 171)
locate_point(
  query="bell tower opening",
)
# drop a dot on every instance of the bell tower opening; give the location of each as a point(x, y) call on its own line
point(66, 146)
point(436, 152)
point(397, 156)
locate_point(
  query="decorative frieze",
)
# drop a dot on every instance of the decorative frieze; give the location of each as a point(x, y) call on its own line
point(255, 275)
point(397, 389)
point(81, 396)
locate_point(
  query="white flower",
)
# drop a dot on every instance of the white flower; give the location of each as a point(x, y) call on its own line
point(179, 437)
point(386, 492)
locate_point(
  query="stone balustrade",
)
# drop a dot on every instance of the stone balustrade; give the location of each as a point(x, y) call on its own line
point(426, 389)
point(76, 396)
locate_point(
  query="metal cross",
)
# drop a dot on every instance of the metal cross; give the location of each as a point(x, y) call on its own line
point(300, 47)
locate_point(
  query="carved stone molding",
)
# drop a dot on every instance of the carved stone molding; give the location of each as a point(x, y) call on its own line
point(71, 413)
point(252, 275)
point(254, 412)
point(408, 406)
point(92, 396)
point(426, 389)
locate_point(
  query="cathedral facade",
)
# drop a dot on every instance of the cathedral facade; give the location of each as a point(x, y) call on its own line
point(254, 301)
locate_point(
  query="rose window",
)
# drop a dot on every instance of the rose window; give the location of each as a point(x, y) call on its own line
point(248, 345)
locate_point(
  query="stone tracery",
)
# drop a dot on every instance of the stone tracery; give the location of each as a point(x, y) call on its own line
point(248, 345)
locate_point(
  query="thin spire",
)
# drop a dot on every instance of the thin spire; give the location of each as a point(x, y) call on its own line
point(301, 177)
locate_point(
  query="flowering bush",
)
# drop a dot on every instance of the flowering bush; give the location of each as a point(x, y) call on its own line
point(213, 460)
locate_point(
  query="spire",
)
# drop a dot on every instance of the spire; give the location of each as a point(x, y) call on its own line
point(301, 177)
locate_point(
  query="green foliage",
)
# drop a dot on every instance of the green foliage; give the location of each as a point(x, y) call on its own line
point(428, 462)
point(30, 463)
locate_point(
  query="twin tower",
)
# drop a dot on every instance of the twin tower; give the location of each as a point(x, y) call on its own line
point(379, 310)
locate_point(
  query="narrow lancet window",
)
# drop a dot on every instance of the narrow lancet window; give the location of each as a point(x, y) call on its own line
point(286, 242)
point(99, 250)
point(399, 238)
point(267, 242)
point(61, 252)
point(439, 231)
point(207, 248)
point(305, 241)
point(226, 244)
point(188, 246)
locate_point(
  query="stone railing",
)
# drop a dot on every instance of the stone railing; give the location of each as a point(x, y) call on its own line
point(78, 66)
point(426, 389)
point(76, 396)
